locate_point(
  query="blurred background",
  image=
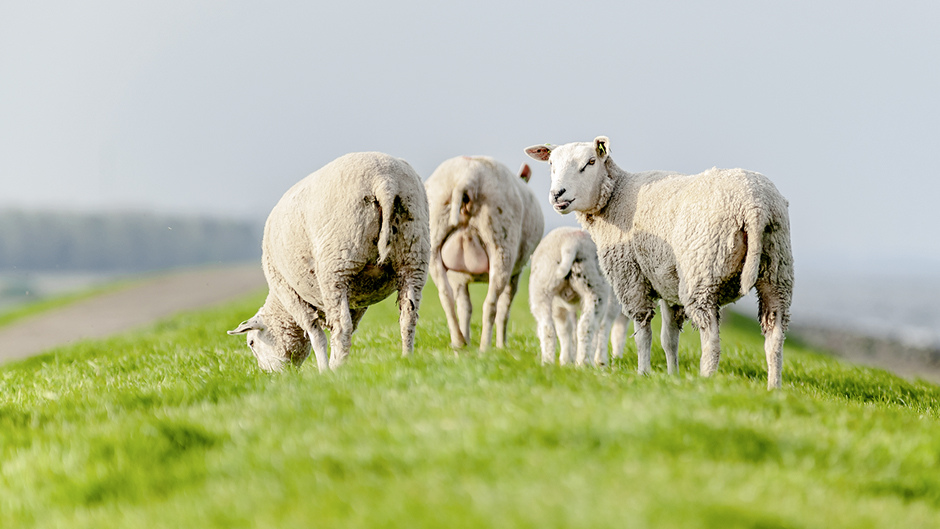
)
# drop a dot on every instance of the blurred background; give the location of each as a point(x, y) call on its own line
point(138, 136)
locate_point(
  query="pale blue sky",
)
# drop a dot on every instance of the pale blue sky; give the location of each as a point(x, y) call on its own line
point(218, 107)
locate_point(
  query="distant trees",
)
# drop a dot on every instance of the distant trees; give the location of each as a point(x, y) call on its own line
point(121, 241)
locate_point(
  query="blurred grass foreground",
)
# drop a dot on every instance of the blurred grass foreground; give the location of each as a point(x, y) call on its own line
point(175, 426)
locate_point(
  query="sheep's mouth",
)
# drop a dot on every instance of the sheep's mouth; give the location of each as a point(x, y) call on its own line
point(563, 205)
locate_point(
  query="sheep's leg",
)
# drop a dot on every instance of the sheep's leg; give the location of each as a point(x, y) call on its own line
point(773, 349)
point(502, 310)
point(409, 301)
point(618, 335)
point(318, 337)
point(643, 325)
point(711, 346)
point(338, 317)
point(774, 315)
point(439, 275)
point(464, 308)
point(564, 326)
point(673, 318)
point(498, 286)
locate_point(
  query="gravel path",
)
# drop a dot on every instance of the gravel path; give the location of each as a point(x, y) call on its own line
point(135, 306)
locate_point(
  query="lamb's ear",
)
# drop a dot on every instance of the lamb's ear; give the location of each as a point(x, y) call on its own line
point(525, 172)
point(540, 152)
point(255, 322)
point(602, 146)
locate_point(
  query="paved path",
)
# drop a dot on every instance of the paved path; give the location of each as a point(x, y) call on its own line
point(125, 309)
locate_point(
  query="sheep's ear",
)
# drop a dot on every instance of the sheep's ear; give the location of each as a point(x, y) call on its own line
point(255, 322)
point(525, 172)
point(602, 146)
point(540, 152)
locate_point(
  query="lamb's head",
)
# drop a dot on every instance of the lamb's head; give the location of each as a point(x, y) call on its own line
point(263, 343)
point(580, 177)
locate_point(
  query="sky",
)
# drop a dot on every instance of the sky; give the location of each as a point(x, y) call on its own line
point(216, 108)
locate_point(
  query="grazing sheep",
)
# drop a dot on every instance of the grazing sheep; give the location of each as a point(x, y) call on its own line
point(485, 223)
point(695, 242)
point(339, 240)
point(566, 276)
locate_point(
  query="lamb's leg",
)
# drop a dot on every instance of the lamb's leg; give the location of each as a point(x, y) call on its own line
point(673, 318)
point(498, 286)
point(439, 275)
point(464, 307)
point(502, 310)
point(591, 313)
point(618, 335)
point(602, 337)
point(409, 301)
point(564, 326)
point(542, 311)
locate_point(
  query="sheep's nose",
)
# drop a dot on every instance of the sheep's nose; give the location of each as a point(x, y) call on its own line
point(556, 194)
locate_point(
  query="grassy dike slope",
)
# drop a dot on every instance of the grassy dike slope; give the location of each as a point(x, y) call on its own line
point(176, 427)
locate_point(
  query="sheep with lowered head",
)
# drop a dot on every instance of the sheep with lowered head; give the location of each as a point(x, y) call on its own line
point(694, 242)
point(485, 223)
point(341, 239)
point(566, 277)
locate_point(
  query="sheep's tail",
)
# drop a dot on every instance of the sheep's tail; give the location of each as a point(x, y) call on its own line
point(754, 232)
point(386, 197)
point(456, 200)
point(462, 199)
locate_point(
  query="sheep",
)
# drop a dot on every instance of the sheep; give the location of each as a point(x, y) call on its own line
point(565, 275)
point(340, 240)
point(485, 223)
point(693, 242)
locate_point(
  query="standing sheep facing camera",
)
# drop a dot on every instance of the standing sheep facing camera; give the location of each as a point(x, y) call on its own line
point(339, 240)
point(695, 242)
point(565, 277)
point(485, 223)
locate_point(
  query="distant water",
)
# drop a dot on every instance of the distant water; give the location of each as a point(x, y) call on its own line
point(23, 287)
point(904, 309)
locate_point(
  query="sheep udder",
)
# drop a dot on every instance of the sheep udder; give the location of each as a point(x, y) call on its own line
point(464, 252)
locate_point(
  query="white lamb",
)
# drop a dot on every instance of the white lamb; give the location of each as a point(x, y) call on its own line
point(339, 240)
point(565, 277)
point(485, 223)
point(695, 242)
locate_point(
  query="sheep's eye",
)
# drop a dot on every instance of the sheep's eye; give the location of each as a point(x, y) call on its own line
point(591, 161)
point(251, 343)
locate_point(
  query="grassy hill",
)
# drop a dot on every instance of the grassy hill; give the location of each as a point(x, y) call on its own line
point(175, 426)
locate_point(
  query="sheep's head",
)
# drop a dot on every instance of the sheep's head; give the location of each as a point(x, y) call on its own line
point(262, 343)
point(579, 174)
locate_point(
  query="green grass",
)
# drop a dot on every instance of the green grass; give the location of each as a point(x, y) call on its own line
point(176, 427)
